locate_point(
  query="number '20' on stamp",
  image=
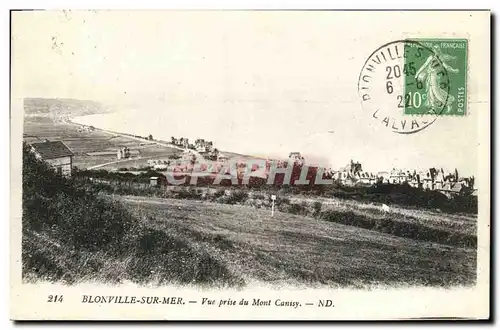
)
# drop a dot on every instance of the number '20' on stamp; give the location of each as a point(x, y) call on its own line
point(435, 77)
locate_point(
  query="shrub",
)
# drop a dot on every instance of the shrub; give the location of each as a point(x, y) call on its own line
point(317, 208)
point(75, 213)
point(237, 196)
point(169, 259)
point(296, 208)
point(218, 193)
point(409, 228)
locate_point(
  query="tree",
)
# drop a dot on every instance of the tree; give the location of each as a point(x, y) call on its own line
point(214, 154)
point(150, 137)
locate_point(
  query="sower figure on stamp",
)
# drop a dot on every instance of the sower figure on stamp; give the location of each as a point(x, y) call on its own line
point(428, 73)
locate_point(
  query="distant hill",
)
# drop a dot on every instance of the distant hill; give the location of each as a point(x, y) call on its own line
point(62, 107)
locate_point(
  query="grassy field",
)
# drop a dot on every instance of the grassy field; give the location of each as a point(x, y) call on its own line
point(70, 234)
point(83, 143)
point(300, 250)
point(465, 224)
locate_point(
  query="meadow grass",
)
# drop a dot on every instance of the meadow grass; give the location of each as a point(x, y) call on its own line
point(70, 235)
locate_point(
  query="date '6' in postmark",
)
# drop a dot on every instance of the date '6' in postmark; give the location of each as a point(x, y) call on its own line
point(408, 84)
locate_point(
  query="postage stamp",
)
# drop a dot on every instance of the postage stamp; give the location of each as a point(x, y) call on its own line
point(437, 82)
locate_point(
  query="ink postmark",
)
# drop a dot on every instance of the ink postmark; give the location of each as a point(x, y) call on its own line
point(407, 84)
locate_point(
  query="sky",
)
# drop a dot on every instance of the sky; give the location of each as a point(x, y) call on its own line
point(262, 83)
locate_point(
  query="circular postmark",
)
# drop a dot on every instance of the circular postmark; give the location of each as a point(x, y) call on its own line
point(404, 85)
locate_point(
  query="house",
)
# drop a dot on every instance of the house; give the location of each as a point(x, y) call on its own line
point(221, 158)
point(160, 167)
point(383, 176)
point(188, 156)
point(123, 153)
point(296, 158)
point(415, 181)
point(427, 180)
point(451, 189)
point(439, 180)
point(202, 149)
point(56, 154)
point(155, 181)
point(83, 128)
point(366, 178)
point(350, 174)
point(399, 177)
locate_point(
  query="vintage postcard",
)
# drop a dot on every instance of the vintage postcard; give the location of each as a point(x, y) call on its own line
point(250, 165)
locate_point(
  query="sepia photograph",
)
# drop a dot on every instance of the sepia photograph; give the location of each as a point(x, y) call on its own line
point(224, 153)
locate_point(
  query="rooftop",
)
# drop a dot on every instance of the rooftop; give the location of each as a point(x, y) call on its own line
point(452, 186)
point(52, 149)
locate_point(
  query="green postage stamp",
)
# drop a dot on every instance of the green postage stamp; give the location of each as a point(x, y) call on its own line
point(436, 77)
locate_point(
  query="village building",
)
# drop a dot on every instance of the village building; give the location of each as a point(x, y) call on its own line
point(350, 174)
point(363, 178)
point(160, 166)
point(451, 189)
point(439, 181)
point(153, 181)
point(296, 158)
point(202, 149)
point(221, 158)
point(123, 153)
point(156, 181)
point(416, 181)
point(56, 154)
point(188, 156)
point(84, 128)
point(383, 176)
point(399, 177)
point(426, 180)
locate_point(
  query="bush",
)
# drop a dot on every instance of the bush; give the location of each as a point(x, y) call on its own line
point(237, 196)
point(409, 228)
point(188, 193)
point(218, 193)
point(168, 259)
point(317, 208)
point(71, 234)
point(75, 213)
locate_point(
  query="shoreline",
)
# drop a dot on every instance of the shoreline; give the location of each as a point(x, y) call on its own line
point(154, 140)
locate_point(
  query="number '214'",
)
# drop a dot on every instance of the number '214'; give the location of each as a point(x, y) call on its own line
point(55, 298)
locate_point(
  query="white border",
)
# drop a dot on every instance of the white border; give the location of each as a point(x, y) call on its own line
point(187, 4)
